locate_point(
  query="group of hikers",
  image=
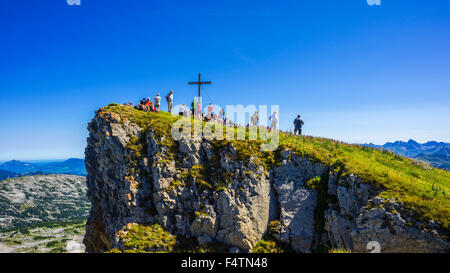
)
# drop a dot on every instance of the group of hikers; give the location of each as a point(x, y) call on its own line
point(210, 116)
point(254, 120)
point(147, 105)
point(298, 122)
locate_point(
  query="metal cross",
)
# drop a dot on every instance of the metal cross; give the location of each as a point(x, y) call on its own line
point(199, 83)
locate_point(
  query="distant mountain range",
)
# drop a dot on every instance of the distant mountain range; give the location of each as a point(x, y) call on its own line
point(16, 168)
point(7, 174)
point(435, 153)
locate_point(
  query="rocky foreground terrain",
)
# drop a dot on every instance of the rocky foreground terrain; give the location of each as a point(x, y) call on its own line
point(151, 193)
point(46, 238)
point(43, 213)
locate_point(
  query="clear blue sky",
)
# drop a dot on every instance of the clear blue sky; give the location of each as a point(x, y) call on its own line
point(356, 73)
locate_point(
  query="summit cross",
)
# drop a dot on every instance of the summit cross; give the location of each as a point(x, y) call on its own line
point(199, 83)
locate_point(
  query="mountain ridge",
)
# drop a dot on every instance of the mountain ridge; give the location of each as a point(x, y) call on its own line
point(435, 153)
point(74, 166)
point(7, 174)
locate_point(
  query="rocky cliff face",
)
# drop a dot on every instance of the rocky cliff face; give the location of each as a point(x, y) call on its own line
point(205, 190)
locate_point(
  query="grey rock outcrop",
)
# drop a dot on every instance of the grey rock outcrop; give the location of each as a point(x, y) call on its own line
point(361, 217)
point(392, 232)
point(195, 189)
point(297, 203)
point(236, 215)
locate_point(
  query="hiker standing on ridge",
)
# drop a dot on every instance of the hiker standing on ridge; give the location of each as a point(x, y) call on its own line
point(210, 110)
point(157, 102)
point(169, 99)
point(221, 116)
point(273, 121)
point(193, 107)
point(199, 110)
point(298, 123)
point(254, 119)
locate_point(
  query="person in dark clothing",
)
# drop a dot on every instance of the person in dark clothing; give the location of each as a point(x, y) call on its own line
point(298, 123)
point(193, 107)
point(141, 105)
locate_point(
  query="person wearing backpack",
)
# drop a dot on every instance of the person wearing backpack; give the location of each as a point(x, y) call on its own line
point(298, 123)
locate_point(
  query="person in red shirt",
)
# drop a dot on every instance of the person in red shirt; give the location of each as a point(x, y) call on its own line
point(149, 105)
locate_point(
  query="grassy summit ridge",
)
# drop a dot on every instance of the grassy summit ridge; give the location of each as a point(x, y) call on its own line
point(418, 187)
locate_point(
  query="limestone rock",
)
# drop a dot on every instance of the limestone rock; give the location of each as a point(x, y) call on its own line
point(205, 224)
point(179, 188)
point(297, 203)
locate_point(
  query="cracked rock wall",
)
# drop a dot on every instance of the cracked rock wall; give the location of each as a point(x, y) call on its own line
point(155, 187)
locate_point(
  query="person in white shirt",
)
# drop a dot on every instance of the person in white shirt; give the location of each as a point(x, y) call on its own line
point(273, 120)
point(169, 99)
point(254, 119)
point(157, 102)
point(182, 110)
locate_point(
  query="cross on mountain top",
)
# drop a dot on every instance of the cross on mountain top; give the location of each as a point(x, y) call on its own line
point(199, 83)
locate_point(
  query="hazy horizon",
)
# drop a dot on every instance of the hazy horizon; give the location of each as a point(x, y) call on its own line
point(44, 159)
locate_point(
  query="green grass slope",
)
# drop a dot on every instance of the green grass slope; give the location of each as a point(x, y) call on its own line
point(420, 188)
